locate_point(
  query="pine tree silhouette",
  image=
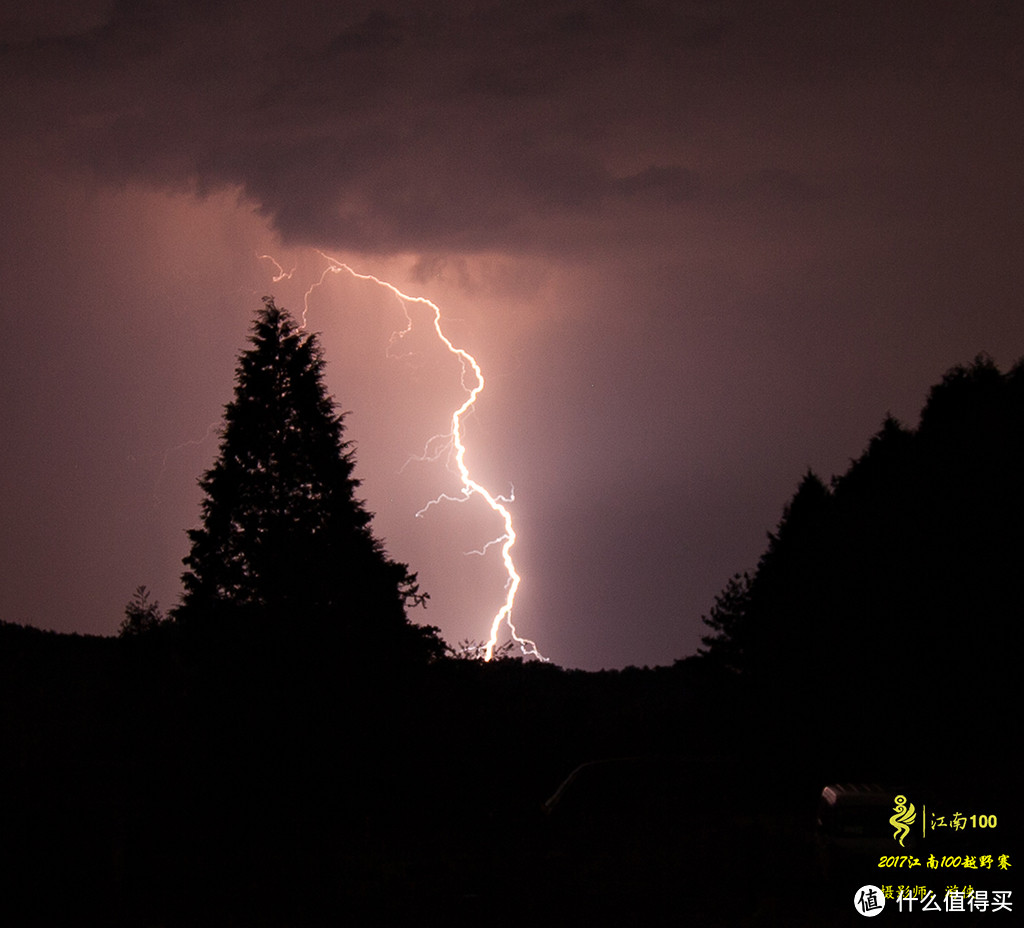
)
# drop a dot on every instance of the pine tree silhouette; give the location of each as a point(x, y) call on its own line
point(284, 540)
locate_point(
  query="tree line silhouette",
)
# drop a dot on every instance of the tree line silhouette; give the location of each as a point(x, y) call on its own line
point(286, 746)
point(887, 595)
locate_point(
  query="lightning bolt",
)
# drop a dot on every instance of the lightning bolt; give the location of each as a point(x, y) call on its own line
point(189, 443)
point(454, 444)
point(281, 274)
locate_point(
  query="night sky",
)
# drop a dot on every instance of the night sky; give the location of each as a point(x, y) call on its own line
point(696, 247)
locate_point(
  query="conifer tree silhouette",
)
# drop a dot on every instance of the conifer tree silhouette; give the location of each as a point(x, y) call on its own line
point(284, 538)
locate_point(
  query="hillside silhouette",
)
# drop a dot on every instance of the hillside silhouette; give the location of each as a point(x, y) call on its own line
point(282, 752)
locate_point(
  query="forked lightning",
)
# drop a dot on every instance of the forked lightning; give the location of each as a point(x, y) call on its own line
point(454, 444)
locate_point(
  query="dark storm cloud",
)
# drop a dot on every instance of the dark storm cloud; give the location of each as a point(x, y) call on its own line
point(379, 129)
point(668, 184)
point(533, 127)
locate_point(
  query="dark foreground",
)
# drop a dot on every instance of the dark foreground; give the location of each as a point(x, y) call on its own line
point(143, 786)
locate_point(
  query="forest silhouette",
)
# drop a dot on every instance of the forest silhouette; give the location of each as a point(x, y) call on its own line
point(287, 747)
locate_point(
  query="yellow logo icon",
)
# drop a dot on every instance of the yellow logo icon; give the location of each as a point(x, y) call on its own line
point(903, 818)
